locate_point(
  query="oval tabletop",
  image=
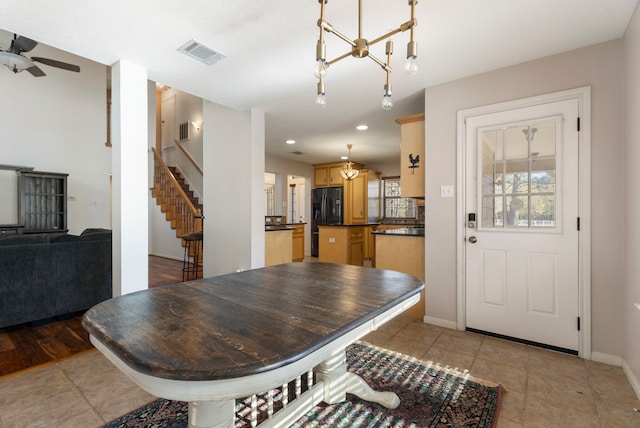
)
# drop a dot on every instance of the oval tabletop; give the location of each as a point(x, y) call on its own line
point(243, 323)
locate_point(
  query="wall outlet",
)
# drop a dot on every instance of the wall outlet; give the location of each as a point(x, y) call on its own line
point(332, 240)
point(71, 198)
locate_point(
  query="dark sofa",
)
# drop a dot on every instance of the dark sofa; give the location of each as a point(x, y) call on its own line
point(48, 275)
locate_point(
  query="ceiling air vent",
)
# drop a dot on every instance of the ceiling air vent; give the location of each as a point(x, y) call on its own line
point(298, 152)
point(201, 52)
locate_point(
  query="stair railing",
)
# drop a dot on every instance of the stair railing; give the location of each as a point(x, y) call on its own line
point(174, 202)
point(188, 156)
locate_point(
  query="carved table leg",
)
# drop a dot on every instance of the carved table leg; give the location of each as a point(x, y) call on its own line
point(338, 382)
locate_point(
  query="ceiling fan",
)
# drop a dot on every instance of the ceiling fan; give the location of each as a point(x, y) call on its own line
point(15, 61)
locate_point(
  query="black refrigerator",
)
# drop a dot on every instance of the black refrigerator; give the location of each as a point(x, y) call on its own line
point(327, 209)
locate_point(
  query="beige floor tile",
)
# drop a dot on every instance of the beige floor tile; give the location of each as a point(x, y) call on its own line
point(570, 368)
point(108, 390)
point(504, 352)
point(462, 343)
point(513, 378)
point(541, 413)
point(406, 346)
point(419, 331)
point(47, 410)
point(553, 390)
point(446, 357)
point(506, 423)
point(512, 407)
point(611, 386)
point(619, 413)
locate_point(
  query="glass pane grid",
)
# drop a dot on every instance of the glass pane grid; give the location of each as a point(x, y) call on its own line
point(518, 178)
point(395, 206)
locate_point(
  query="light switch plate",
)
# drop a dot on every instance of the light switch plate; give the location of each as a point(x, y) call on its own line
point(446, 191)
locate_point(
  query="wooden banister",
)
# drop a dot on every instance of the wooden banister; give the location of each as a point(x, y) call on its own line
point(188, 156)
point(174, 202)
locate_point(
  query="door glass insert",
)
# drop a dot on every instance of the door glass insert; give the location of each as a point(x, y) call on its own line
point(518, 175)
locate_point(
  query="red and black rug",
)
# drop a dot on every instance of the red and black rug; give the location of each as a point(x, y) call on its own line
point(430, 396)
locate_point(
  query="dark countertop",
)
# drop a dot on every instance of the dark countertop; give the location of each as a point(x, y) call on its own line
point(404, 231)
point(349, 225)
point(276, 228)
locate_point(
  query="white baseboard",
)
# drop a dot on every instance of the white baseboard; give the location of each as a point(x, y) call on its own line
point(635, 383)
point(440, 322)
point(611, 360)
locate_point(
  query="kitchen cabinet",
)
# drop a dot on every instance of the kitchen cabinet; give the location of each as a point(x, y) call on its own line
point(360, 193)
point(403, 253)
point(327, 175)
point(277, 246)
point(412, 155)
point(297, 245)
point(341, 244)
point(369, 244)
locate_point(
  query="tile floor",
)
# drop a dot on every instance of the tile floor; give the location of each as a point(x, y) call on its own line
point(544, 389)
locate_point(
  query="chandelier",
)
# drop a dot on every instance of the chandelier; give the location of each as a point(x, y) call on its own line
point(360, 49)
point(348, 172)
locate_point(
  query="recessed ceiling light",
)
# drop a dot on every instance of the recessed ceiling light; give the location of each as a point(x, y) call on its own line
point(291, 141)
point(362, 127)
point(344, 157)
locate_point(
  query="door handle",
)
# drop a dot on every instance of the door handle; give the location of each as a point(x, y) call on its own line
point(473, 239)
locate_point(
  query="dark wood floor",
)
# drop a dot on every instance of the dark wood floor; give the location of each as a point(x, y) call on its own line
point(24, 347)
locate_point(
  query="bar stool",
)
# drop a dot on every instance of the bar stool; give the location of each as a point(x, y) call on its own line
point(191, 264)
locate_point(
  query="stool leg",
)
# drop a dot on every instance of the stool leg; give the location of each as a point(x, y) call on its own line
point(185, 260)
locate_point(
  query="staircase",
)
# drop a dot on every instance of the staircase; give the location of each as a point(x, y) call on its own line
point(185, 187)
point(178, 203)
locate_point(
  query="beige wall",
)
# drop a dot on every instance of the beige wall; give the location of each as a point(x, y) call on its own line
point(631, 327)
point(601, 67)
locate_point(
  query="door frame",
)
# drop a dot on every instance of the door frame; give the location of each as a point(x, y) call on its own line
point(583, 95)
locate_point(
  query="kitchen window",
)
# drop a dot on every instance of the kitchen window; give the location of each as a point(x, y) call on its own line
point(395, 206)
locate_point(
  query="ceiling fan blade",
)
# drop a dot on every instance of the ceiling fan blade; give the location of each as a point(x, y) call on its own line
point(57, 64)
point(22, 44)
point(36, 71)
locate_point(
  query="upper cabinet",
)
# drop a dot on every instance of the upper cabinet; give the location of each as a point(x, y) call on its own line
point(412, 154)
point(328, 174)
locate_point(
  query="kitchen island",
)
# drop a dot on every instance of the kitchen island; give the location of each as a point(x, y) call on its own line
point(344, 243)
point(402, 250)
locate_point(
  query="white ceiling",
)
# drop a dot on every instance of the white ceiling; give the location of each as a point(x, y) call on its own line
point(270, 48)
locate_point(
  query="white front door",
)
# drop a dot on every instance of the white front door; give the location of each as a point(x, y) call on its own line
point(521, 237)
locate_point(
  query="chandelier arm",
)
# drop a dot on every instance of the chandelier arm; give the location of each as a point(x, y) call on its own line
point(384, 66)
point(343, 56)
point(328, 27)
point(402, 28)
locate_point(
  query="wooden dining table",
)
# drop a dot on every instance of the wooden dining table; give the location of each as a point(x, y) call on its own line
point(214, 340)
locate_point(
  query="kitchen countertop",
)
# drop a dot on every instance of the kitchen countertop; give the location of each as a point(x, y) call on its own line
point(348, 225)
point(404, 231)
point(275, 228)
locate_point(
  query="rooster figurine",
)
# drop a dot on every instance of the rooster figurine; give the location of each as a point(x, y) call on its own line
point(414, 162)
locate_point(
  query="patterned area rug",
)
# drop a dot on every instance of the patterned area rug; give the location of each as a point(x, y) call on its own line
point(430, 396)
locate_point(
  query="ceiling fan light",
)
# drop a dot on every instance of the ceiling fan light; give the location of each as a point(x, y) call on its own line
point(14, 62)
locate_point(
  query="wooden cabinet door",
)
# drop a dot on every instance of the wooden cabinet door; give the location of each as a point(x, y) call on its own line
point(335, 178)
point(320, 177)
point(412, 159)
point(357, 199)
point(298, 243)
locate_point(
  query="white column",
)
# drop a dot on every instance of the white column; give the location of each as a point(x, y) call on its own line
point(234, 203)
point(130, 178)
